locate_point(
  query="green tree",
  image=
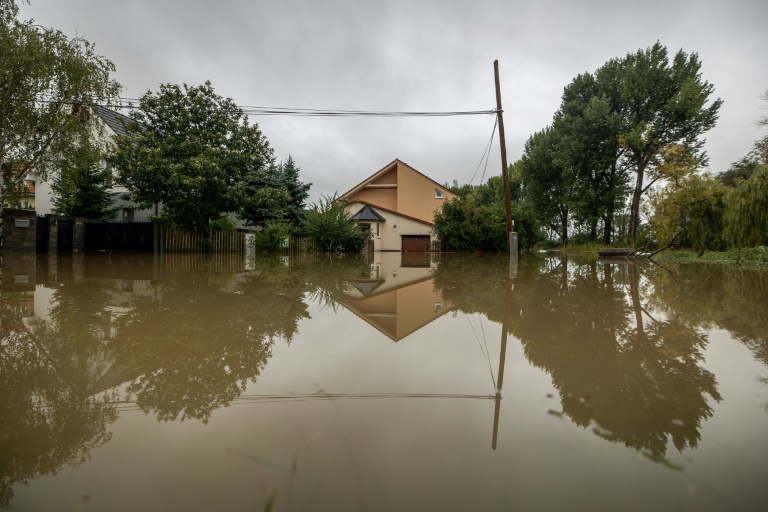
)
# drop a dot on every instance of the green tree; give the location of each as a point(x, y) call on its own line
point(331, 227)
point(690, 210)
point(662, 104)
point(588, 151)
point(193, 151)
point(546, 183)
point(477, 222)
point(81, 187)
point(276, 195)
point(45, 78)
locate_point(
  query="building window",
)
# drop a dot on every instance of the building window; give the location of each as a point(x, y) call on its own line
point(378, 229)
point(438, 307)
point(438, 194)
point(127, 215)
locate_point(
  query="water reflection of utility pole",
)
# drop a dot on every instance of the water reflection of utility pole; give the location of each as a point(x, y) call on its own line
point(511, 273)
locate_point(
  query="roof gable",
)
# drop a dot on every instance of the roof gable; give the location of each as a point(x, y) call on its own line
point(368, 213)
point(384, 170)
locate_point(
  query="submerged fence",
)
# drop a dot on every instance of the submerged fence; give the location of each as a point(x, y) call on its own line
point(179, 240)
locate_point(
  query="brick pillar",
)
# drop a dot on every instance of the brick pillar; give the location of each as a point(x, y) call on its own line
point(19, 231)
point(78, 235)
point(53, 233)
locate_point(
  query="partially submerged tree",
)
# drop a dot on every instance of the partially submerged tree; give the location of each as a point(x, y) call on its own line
point(546, 184)
point(191, 150)
point(662, 105)
point(81, 185)
point(275, 195)
point(45, 78)
point(477, 222)
point(331, 227)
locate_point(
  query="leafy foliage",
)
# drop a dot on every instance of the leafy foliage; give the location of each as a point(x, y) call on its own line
point(272, 237)
point(275, 195)
point(80, 187)
point(630, 116)
point(331, 227)
point(193, 151)
point(478, 222)
point(43, 63)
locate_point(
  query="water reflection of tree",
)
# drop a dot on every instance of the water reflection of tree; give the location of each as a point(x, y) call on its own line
point(48, 417)
point(203, 337)
point(638, 377)
point(730, 298)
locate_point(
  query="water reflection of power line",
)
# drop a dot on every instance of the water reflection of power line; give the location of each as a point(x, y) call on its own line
point(124, 406)
point(485, 351)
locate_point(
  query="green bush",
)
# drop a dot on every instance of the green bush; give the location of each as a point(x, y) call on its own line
point(332, 229)
point(223, 223)
point(478, 222)
point(272, 237)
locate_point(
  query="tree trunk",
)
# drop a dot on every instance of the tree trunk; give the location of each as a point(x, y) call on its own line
point(634, 208)
point(564, 226)
point(2, 194)
point(608, 227)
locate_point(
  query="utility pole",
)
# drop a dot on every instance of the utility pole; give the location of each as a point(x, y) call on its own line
point(511, 237)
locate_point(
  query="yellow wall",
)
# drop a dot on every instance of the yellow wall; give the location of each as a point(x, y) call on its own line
point(416, 194)
point(384, 197)
point(411, 194)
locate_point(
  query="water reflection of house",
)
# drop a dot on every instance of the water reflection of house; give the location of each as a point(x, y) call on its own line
point(397, 297)
point(397, 205)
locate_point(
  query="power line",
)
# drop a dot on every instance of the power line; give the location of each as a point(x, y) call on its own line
point(282, 111)
point(486, 154)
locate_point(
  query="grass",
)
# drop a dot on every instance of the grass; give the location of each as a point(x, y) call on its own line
point(754, 257)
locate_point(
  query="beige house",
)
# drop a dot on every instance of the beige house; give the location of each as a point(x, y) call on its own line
point(397, 204)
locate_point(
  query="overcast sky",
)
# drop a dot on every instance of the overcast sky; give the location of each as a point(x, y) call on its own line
point(416, 55)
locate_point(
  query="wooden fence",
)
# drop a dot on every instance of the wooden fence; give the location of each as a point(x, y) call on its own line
point(179, 240)
point(298, 245)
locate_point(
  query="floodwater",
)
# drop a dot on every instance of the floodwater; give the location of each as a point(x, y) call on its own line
point(177, 382)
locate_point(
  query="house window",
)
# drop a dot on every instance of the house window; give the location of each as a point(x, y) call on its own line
point(438, 306)
point(127, 215)
point(438, 194)
point(378, 229)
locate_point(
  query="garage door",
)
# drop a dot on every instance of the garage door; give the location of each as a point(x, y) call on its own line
point(412, 243)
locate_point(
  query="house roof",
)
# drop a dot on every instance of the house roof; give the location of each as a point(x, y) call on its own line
point(357, 201)
point(368, 213)
point(385, 169)
point(115, 120)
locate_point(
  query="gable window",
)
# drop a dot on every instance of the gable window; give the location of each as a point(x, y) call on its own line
point(438, 194)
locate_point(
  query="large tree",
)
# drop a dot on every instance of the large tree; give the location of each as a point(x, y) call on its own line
point(45, 78)
point(589, 151)
point(662, 104)
point(275, 195)
point(193, 151)
point(547, 185)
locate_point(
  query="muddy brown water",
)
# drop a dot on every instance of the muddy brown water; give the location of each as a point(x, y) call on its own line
point(178, 382)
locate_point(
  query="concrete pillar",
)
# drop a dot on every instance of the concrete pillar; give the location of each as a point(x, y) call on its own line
point(78, 235)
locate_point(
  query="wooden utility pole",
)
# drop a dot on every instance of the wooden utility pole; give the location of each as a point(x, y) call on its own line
point(504, 173)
